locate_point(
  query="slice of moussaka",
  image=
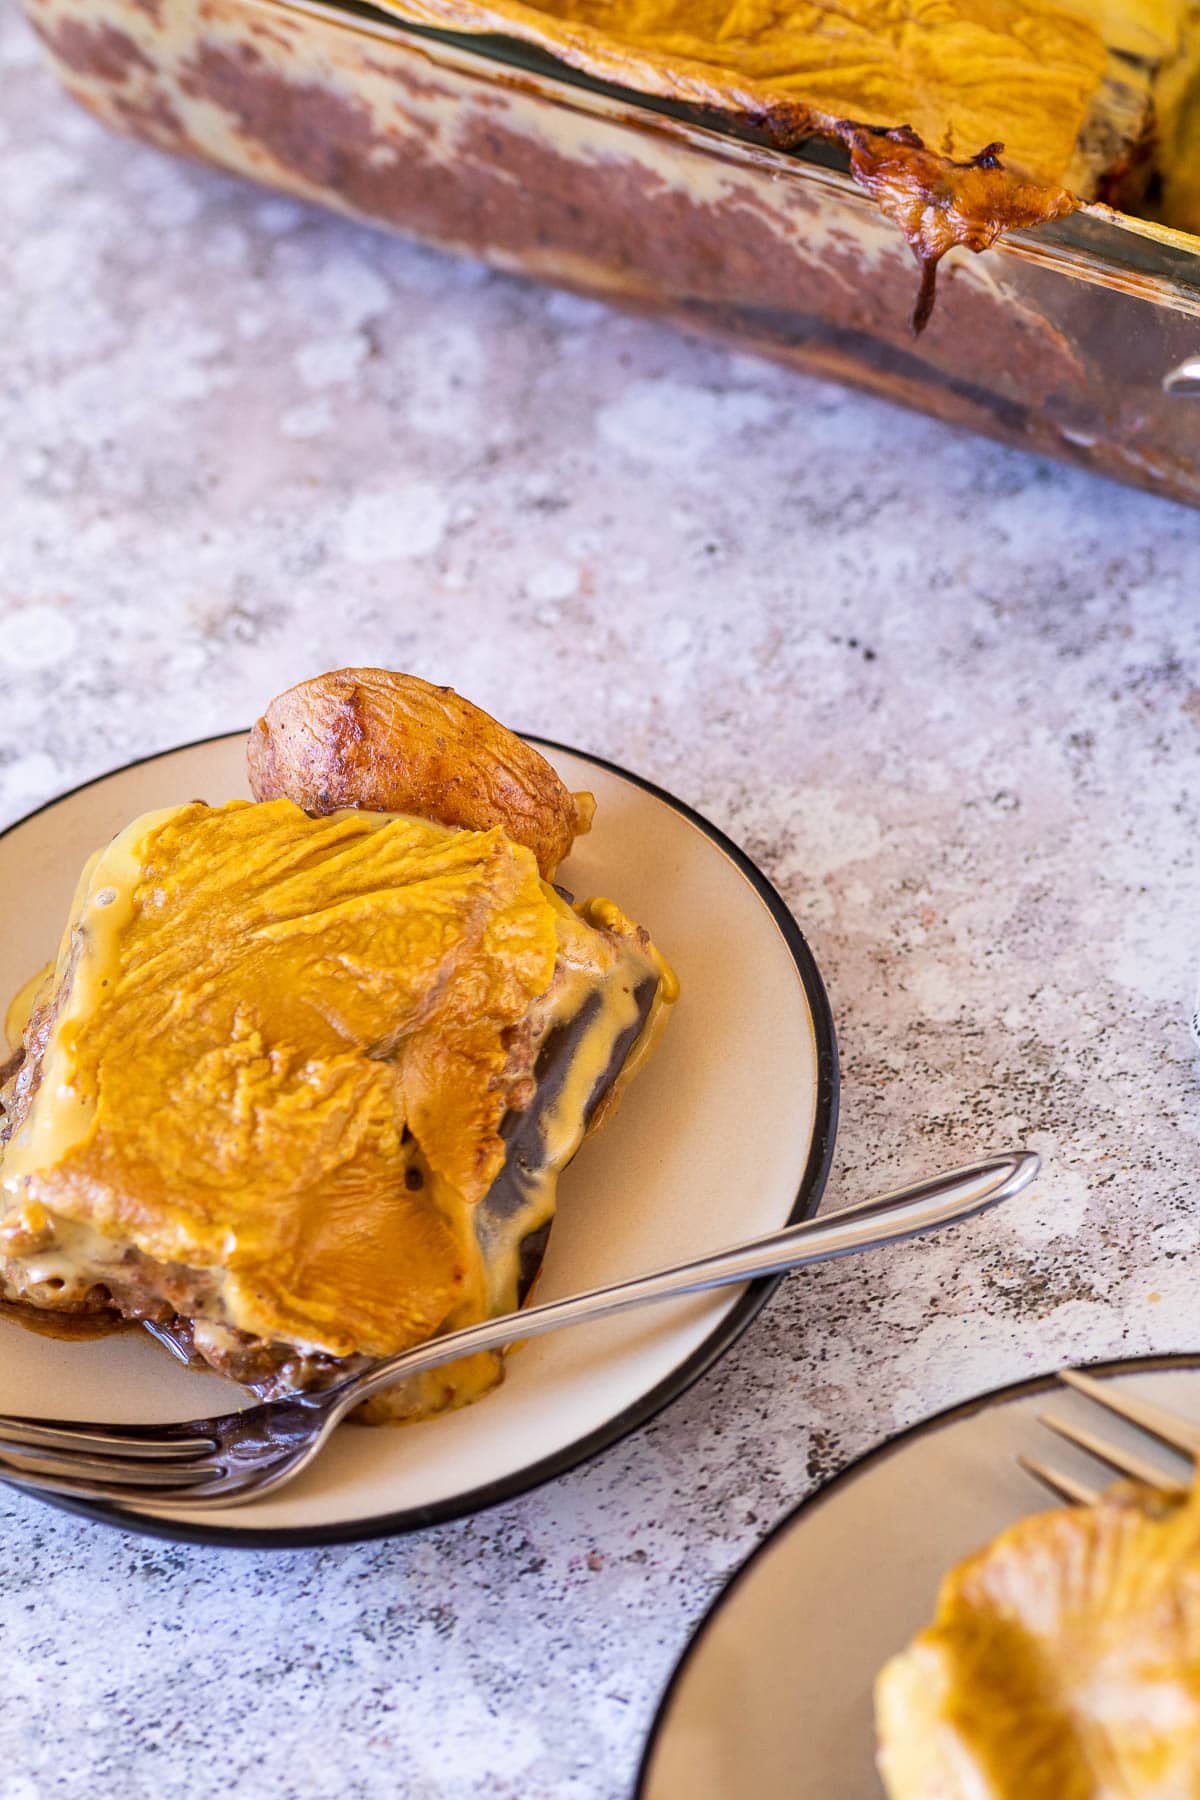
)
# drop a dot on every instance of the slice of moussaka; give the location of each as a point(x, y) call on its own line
point(299, 1086)
point(1063, 1663)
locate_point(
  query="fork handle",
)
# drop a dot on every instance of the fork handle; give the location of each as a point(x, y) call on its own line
point(904, 1212)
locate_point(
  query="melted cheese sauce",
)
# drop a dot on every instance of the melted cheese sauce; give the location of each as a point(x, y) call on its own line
point(263, 1020)
point(961, 72)
point(102, 909)
point(20, 1010)
point(609, 994)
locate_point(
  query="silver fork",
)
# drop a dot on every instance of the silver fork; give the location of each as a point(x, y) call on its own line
point(1158, 1422)
point(210, 1463)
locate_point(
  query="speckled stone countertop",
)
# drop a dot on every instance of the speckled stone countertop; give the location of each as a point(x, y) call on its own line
point(947, 695)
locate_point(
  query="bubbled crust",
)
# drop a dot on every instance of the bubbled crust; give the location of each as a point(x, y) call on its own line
point(388, 742)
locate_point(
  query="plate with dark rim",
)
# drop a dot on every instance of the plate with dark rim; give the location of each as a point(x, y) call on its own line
point(727, 1133)
point(773, 1695)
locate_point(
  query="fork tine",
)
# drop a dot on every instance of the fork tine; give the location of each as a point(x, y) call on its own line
point(133, 1442)
point(1126, 1462)
point(1060, 1484)
point(1167, 1427)
point(42, 1466)
point(115, 1493)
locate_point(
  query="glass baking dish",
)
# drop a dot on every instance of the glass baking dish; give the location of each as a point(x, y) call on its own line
point(1080, 339)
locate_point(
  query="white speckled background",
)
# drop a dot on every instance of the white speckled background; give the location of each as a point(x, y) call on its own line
point(949, 696)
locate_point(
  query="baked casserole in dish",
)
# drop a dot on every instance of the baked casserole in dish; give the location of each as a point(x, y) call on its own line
point(762, 174)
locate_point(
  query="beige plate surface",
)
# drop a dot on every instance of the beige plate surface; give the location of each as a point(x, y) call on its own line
point(726, 1134)
point(773, 1696)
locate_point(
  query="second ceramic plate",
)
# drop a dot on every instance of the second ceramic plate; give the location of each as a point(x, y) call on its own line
point(774, 1695)
point(727, 1134)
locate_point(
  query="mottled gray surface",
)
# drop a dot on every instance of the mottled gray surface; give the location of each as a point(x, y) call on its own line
point(947, 695)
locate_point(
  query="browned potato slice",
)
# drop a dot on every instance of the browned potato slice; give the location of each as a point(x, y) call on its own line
point(395, 743)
